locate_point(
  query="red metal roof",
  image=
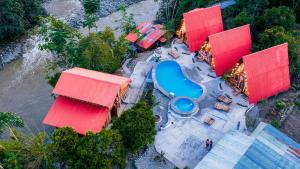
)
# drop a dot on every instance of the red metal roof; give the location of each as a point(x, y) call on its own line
point(131, 37)
point(81, 116)
point(90, 86)
point(150, 34)
point(150, 39)
point(267, 72)
point(229, 47)
point(200, 23)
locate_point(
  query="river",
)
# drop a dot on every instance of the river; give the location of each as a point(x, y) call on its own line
point(23, 88)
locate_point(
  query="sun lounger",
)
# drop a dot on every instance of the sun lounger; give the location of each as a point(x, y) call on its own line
point(209, 121)
point(211, 75)
point(174, 54)
point(241, 104)
point(186, 53)
point(220, 106)
point(224, 99)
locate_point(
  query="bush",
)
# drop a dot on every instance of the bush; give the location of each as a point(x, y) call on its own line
point(276, 123)
point(279, 105)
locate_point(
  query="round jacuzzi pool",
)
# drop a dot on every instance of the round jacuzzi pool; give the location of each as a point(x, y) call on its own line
point(184, 106)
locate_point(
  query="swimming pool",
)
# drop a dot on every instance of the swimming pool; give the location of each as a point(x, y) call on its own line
point(172, 81)
point(184, 105)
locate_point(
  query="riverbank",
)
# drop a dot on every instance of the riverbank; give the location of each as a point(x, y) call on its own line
point(23, 87)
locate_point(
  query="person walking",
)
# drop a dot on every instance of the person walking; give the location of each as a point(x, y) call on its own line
point(207, 143)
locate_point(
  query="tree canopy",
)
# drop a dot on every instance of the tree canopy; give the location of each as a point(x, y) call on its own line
point(100, 150)
point(11, 120)
point(137, 127)
point(278, 16)
point(18, 16)
point(100, 51)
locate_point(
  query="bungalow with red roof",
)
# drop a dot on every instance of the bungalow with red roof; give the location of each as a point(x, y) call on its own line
point(148, 34)
point(86, 100)
point(198, 24)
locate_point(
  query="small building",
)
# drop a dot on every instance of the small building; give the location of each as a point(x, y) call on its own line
point(265, 148)
point(147, 35)
point(198, 24)
point(86, 100)
point(261, 74)
point(227, 48)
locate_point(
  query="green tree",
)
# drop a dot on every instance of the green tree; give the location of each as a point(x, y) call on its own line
point(11, 22)
point(277, 16)
point(100, 52)
point(17, 16)
point(242, 18)
point(10, 120)
point(101, 150)
point(253, 7)
point(63, 146)
point(97, 52)
point(24, 151)
point(278, 35)
point(91, 6)
point(127, 22)
point(137, 127)
point(90, 21)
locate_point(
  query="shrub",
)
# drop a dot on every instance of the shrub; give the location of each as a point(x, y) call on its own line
point(279, 105)
point(276, 123)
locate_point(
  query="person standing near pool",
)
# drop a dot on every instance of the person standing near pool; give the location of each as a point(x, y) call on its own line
point(210, 145)
point(207, 143)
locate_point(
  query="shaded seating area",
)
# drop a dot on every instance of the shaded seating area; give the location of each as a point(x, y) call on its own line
point(148, 34)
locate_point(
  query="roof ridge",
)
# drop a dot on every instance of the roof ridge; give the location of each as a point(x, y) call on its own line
point(93, 78)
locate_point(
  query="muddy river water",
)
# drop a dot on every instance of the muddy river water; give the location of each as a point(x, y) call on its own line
point(23, 88)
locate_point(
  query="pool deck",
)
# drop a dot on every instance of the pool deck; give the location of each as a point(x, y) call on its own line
point(182, 139)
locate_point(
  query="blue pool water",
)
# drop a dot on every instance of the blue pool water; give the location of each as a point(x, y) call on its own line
point(184, 105)
point(171, 79)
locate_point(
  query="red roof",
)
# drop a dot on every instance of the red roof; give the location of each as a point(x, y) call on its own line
point(229, 47)
point(267, 72)
point(150, 33)
point(150, 39)
point(200, 23)
point(90, 86)
point(131, 37)
point(80, 116)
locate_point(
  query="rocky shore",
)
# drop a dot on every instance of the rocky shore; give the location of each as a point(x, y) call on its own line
point(74, 18)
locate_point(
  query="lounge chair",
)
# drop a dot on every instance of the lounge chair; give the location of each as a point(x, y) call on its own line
point(220, 106)
point(209, 121)
point(173, 53)
point(224, 99)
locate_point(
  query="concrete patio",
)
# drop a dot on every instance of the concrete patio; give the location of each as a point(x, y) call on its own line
point(183, 139)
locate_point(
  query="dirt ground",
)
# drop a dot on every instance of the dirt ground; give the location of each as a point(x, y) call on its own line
point(291, 125)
